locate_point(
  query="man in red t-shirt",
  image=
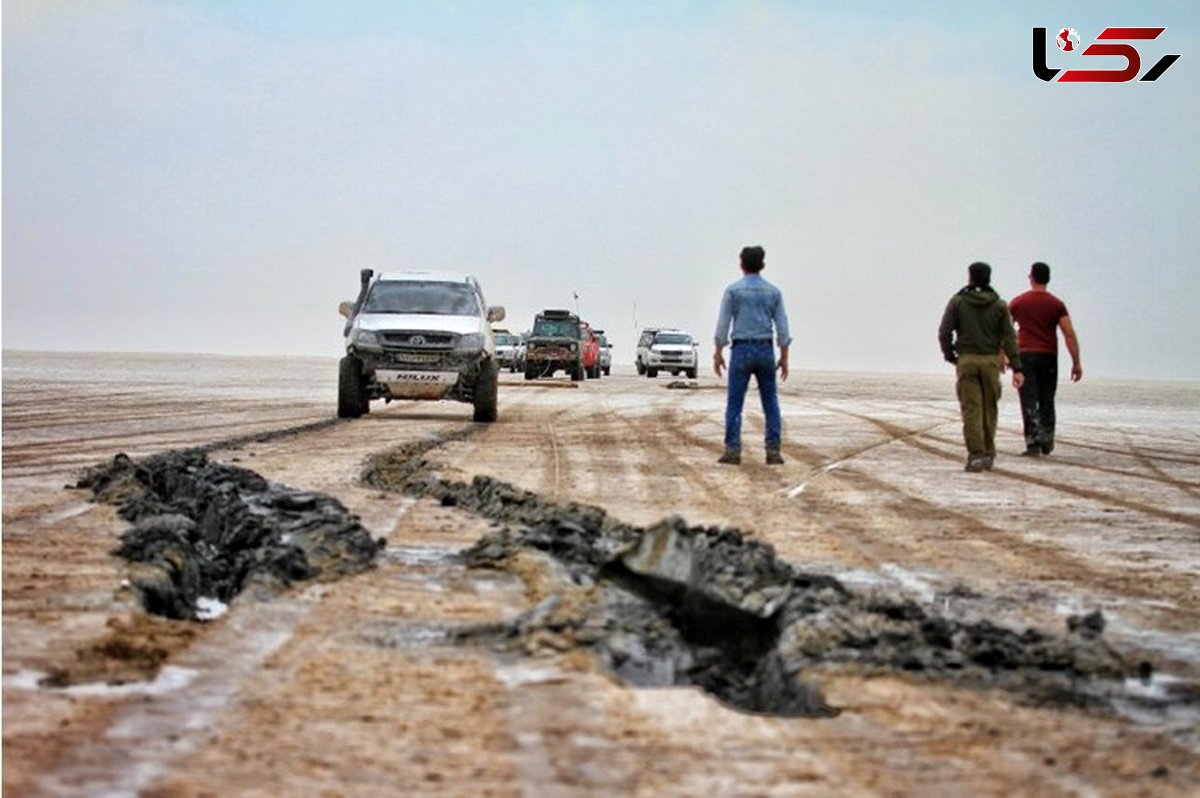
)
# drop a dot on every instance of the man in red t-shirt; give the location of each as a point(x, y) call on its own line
point(1039, 315)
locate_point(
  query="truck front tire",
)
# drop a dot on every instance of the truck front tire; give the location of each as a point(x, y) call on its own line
point(487, 392)
point(353, 401)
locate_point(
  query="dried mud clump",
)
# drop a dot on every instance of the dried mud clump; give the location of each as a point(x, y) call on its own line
point(713, 608)
point(407, 469)
point(204, 532)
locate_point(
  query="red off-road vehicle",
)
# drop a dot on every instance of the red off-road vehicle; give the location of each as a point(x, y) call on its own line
point(589, 345)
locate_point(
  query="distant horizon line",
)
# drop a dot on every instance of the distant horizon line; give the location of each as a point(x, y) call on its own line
point(333, 357)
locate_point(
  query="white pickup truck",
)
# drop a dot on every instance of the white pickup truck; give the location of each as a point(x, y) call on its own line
point(422, 336)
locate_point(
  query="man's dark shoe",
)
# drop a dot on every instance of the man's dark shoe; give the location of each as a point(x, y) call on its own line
point(774, 457)
point(989, 461)
point(975, 463)
point(731, 456)
point(1047, 446)
point(1032, 451)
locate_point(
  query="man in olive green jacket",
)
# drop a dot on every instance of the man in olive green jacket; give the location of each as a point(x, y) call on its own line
point(974, 328)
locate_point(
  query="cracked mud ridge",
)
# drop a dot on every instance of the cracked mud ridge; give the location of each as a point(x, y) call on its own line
point(204, 532)
point(670, 604)
point(676, 604)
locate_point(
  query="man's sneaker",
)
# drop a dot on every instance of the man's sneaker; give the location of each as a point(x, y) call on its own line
point(975, 463)
point(989, 460)
point(774, 457)
point(731, 456)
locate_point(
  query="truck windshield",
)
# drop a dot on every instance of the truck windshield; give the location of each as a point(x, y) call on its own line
point(421, 296)
point(505, 340)
point(562, 328)
point(672, 338)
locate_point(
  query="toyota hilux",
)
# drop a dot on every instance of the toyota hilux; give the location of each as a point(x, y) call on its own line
point(421, 336)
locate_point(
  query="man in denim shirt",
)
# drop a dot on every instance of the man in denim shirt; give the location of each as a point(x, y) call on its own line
point(752, 307)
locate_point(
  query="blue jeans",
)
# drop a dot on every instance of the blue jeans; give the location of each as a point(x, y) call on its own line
point(747, 358)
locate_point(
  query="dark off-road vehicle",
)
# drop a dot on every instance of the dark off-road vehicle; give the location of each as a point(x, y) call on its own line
point(554, 343)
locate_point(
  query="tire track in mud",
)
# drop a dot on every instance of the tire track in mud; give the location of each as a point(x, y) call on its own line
point(907, 437)
point(660, 428)
point(26, 460)
point(539, 428)
point(1148, 461)
point(1090, 494)
point(871, 550)
point(32, 415)
point(988, 546)
point(599, 438)
point(593, 436)
point(31, 449)
point(583, 437)
point(709, 491)
point(1186, 457)
point(1168, 456)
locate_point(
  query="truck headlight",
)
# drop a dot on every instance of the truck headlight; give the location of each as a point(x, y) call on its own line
point(470, 342)
point(366, 339)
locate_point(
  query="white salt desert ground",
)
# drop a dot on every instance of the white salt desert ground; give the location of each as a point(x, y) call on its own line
point(342, 686)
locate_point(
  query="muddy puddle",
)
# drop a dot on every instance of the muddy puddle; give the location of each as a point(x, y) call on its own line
point(676, 604)
point(203, 533)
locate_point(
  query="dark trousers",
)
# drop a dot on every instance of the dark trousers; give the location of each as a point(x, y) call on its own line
point(1037, 399)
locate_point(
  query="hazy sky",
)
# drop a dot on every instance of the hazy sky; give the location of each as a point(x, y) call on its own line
point(210, 176)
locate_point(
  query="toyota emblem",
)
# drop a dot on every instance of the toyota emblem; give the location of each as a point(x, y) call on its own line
point(417, 340)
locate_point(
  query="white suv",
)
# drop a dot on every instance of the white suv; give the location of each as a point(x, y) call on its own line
point(419, 335)
point(508, 350)
point(668, 350)
point(642, 352)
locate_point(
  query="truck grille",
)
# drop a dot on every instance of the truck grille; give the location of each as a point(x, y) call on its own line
point(418, 340)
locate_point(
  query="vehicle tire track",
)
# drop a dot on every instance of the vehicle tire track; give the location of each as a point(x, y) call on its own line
point(1077, 491)
point(1080, 492)
point(962, 538)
